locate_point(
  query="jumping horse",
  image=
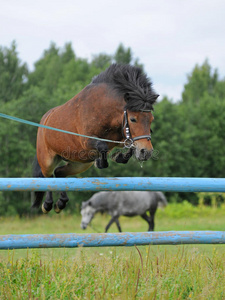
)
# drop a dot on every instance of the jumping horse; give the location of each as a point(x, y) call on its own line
point(114, 110)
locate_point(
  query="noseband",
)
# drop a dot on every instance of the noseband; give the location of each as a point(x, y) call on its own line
point(129, 141)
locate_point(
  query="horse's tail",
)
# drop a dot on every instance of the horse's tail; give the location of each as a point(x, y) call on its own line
point(162, 201)
point(37, 173)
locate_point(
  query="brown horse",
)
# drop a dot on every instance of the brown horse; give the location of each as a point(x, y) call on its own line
point(115, 106)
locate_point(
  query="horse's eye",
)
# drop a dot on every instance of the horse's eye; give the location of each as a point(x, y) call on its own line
point(133, 120)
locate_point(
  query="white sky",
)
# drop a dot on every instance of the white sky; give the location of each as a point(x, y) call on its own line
point(168, 36)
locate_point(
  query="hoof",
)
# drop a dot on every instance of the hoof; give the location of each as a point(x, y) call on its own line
point(57, 209)
point(44, 210)
point(118, 158)
point(101, 164)
point(121, 158)
point(59, 205)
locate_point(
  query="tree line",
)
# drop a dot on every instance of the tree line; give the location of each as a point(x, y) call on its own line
point(188, 136)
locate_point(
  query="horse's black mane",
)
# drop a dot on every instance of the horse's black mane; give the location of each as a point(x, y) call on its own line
point(131, 83)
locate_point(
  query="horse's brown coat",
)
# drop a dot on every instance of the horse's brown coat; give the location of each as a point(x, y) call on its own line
point(97, 111)
point(93, 112)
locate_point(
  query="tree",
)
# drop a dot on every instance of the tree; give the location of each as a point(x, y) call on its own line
point(201, 80)
point(101, 61)
point(13, 74)
point(67, 54)
point(125, 56)
point(122, 55)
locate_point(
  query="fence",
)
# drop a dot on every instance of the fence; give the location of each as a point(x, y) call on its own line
point(165, 184)
point(110, 239)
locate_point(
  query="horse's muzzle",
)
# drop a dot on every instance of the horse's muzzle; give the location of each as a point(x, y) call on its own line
point(143, 154)
point(83, 225)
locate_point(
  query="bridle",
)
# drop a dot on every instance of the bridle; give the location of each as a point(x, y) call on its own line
point(129, 141)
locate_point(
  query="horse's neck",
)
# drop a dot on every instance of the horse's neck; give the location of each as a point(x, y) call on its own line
point(100, 202)
point(113, 126)
point(111, 112)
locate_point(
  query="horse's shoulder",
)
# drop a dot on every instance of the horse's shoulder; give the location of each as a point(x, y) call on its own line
point(46, 116)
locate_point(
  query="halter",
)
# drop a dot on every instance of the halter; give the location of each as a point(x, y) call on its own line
point(129, 141)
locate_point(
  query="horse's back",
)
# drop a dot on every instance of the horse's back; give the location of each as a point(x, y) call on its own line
point(131, 203)
point(136, 202)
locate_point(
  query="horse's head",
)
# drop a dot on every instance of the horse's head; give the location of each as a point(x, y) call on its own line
point(87, 212)
point(131, 85)
point(137, 131)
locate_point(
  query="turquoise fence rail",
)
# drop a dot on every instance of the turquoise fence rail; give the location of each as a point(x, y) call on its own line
point(166, 184)
point(72, 240)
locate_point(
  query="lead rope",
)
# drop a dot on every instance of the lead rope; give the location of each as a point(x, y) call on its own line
point(57, 129)
point(128, 142)
point(93, 228)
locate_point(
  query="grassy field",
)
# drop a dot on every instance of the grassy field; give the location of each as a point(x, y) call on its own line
point(146, 272)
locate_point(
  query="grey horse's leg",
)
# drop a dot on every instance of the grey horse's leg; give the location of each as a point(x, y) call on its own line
point(151, 219)
point(113, 219)
point(118, 225)
point(147, 219)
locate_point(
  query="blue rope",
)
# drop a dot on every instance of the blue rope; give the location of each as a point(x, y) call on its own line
point(56, 129)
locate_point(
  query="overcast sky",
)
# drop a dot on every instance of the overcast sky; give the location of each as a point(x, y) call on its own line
point(168, 36)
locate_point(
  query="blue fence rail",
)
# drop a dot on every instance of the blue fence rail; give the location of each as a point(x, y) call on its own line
point(72, 240)
point(112, 239)
point(165, 184)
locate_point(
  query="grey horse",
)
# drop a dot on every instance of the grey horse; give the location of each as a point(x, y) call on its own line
point(116, 204)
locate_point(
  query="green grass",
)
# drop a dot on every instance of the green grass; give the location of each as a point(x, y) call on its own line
point(147, 272)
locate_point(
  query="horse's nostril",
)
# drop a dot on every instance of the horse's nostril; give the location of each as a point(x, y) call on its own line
point(144, 154)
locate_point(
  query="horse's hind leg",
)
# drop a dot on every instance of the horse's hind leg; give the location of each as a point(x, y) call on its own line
point(48, 203)
point(67, 170)
point(61, 202)
point(48, 162)
point(63, 198)
point(148, 220)
point(151, 219)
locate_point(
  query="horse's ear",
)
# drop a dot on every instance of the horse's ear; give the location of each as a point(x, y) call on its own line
point(155, 97)
point(127, 97)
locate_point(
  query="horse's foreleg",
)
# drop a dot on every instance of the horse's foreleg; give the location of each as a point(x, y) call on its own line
point(102, 148)
point(113, 219)
point(118, 225)
point(122, 158)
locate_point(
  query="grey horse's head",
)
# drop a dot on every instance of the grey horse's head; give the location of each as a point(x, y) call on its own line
point(87, 212)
